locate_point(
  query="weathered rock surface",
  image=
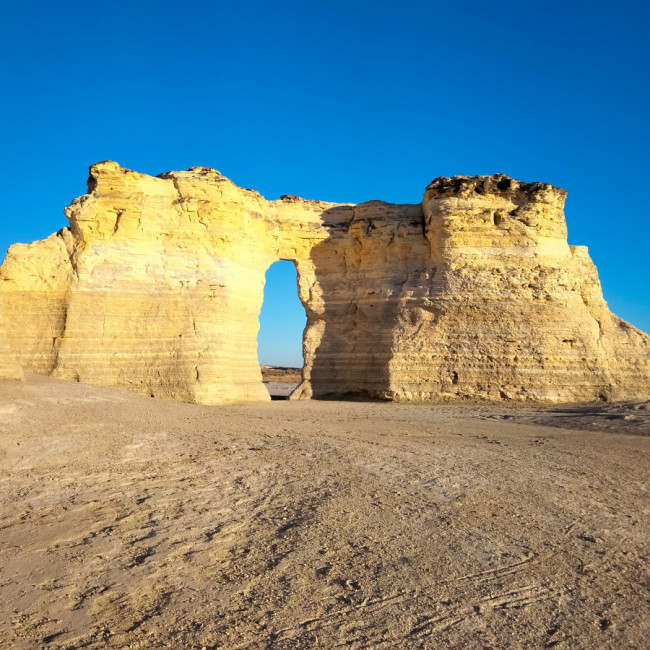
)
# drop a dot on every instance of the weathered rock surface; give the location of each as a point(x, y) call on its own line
point(35, 280)
point(474, 293)
point(9, 366)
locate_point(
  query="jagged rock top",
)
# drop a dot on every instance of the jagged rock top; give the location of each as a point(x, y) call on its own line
point(495, 185)
point(441, 187)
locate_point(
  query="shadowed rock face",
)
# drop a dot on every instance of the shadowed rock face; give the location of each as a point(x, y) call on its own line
point(474, 293)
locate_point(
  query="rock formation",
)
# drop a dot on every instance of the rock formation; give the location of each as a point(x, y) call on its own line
point(9, 366)
point(157, 286)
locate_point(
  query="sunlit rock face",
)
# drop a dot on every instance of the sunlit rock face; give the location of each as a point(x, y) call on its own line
point(474, 293)
point(35, 282)
point(510, 310)
point(9, 366)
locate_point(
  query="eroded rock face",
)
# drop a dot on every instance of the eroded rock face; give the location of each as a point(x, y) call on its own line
point(474, 293)
point(9, 366)
point(35, 280)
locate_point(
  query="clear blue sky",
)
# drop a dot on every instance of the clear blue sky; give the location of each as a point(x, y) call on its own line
point(342, 101)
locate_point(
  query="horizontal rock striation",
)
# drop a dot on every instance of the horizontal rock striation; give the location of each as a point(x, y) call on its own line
point(35, 281)
point(157, 286)
point(511, 310)
point(9, 366)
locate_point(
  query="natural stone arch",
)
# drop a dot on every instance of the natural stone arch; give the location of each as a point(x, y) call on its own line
point(282, 319)
point(474, 293)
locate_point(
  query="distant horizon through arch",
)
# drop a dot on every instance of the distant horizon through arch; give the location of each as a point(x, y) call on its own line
point(282, 318)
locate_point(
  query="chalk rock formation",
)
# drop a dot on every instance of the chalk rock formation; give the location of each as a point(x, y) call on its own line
point(9, 366)
point(35, 280)
point(474, 293)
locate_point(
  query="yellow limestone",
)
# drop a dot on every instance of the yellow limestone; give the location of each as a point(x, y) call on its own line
point(157, 286)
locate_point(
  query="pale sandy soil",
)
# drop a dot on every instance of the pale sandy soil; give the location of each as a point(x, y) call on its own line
point(133, 522)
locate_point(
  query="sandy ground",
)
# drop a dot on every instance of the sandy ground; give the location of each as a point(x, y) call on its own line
point(140, 523)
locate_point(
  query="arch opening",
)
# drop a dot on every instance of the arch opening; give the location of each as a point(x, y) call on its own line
point(282, 324)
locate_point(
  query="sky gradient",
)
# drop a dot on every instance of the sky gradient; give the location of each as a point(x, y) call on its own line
point(340, 101)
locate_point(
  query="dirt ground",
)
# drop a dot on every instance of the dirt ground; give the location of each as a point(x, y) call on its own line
point(129, 522)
